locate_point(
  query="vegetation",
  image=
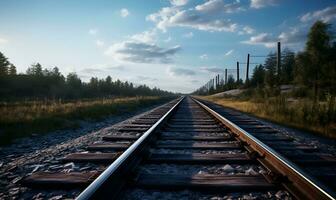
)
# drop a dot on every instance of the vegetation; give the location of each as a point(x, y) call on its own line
point(43, 100)
point(42, 83)
point(302, 114)
point(19, 119)
point(310, 101)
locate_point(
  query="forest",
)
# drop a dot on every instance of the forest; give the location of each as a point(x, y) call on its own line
point(42, 83)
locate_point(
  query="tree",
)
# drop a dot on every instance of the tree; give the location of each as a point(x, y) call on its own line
point(3, 64)
point(287, 66)
point(258, 77)
point(35, 70)
point(270, 67)
point(12, 70)
point(73, 80)
point(314, 65)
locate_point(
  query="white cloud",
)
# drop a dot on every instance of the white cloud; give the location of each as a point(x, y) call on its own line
point(192, 18)
point(262, 39)
point(162, 17)
point(93, 31)
point(292, 37)
point(100, 43)
point(188, 35)
point(187, 18)
point(204, 56)
point(263, 3)
point(3, 41)
point(246, 30)
point(124, 12)
point(178, 2)
point(328, 14)
point(215, 70)
point(146, 36)
point(215, 6)
point(229, 52)
point(140, 52)
point(175, 71)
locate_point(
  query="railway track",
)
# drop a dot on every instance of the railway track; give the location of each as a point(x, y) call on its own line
point(186, 149)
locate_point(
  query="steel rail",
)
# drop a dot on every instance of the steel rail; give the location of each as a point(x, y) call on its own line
point(299, 184)
point(89, 192)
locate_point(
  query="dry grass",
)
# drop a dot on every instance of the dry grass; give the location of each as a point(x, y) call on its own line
point(18, 119)
point(300, 114)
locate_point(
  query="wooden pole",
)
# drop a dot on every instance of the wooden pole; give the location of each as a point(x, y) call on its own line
point(247, 67)
point(225, 76)
point(237, 72)
point(279, 61)
point(216, 82)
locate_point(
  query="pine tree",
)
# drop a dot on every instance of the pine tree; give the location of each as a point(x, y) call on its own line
point(12, 70)
point(3, 64)
point(314, 65)
point(270, 67)
point(287, 66)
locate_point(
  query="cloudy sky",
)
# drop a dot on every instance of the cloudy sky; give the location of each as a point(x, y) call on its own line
point(176, 45)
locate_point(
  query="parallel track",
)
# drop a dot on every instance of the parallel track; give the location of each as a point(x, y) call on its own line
point(187, 132)
point(194, 126)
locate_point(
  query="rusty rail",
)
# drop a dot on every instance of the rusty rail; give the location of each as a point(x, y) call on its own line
point(296, 181)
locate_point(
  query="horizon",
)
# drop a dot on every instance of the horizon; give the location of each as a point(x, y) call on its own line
point(175, 45)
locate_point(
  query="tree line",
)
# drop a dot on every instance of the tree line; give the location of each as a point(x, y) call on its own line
point(43, 83)
point(313, 69)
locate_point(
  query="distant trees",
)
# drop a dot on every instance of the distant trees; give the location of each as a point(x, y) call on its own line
point(258, 76)
point(313, 70)
point(6, 68)
point(315, 66)
point(39, 82)
point(287, 66)
point(271, 71)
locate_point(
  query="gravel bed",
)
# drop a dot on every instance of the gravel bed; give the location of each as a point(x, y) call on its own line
point(189, 151)
point(124, 134)
point(44, 153)
point(177, 134)
point(198, 142)
point(139, 194)
point(226, 169)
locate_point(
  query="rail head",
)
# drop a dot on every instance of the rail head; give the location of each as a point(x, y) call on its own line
point(90, 191)
point(301, 185)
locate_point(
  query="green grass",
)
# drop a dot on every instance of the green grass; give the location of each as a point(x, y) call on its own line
point(318, 118)
point(20, 119)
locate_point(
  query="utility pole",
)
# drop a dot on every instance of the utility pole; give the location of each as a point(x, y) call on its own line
point(247, 68)
point(237, 72)
point(225, 76)
point(279, 61)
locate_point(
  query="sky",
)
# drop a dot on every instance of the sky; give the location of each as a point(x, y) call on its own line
point(176, 45)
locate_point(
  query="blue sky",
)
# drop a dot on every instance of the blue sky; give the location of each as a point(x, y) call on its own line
point(176, 45)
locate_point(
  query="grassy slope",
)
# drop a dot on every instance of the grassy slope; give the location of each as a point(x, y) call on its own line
point(295, 114)
point(20, 119)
